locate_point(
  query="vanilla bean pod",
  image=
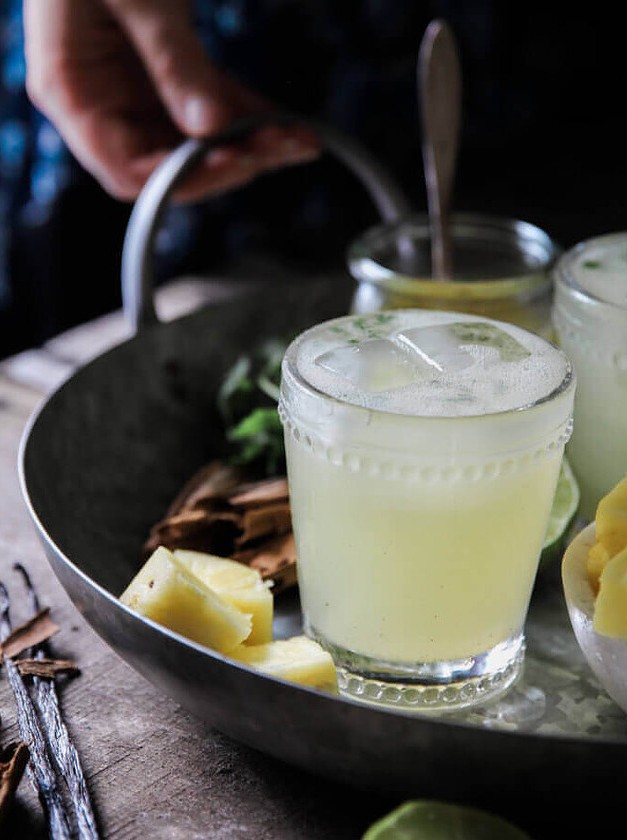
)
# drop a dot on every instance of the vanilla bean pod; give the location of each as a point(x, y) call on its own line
point(61, 745)
point(39, 768)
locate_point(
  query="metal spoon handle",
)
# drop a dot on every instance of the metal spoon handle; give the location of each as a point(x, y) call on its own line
point(439, 80)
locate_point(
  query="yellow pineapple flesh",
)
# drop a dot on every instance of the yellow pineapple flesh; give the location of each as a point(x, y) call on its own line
point(606, 563)
point(225, 605)
point(298, 659)
point(611, 519)
point(610, 607)
point(165, 591)
point(598, 558)
point(240, 585)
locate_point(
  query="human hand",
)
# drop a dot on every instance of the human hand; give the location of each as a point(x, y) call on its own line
point(124, 81)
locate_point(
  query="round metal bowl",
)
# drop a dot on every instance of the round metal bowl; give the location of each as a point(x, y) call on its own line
point(105, 454)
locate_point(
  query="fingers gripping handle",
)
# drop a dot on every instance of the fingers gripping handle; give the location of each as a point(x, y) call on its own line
point(146, 216)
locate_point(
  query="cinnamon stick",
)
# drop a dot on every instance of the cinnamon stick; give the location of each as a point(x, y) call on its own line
point(36, 630)
point(13, 761)
point(45, 668)
point(219, 512)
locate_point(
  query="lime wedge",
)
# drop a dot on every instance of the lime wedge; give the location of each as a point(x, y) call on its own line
point(432, 820)
point(565, 504)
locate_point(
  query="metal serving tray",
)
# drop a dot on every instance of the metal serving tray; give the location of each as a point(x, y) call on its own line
point(103, 457)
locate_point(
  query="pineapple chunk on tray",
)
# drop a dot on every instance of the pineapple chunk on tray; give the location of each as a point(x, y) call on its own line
point(226, 606)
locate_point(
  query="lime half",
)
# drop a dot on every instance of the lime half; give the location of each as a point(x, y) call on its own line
point(432, 820)
point(565, 504)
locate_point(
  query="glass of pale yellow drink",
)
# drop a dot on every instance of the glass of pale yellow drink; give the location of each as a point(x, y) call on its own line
point(501, 270)
point(590, 316)
point(423, 451)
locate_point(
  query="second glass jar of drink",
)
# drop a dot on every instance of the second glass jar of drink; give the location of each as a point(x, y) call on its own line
point(501, 270)
point(590, 315)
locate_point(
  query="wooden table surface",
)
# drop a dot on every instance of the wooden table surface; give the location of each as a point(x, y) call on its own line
point(153, 770)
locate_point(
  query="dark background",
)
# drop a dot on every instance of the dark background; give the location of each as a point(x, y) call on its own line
point(543, 139)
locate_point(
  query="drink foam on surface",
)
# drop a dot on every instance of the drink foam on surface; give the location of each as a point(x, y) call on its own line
point(600, 269)
point(426, 363)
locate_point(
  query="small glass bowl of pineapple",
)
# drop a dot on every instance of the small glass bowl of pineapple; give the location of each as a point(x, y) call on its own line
point(594, 576)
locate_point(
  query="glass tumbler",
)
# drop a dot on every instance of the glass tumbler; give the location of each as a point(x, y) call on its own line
point(423, 451)
point(590, 316)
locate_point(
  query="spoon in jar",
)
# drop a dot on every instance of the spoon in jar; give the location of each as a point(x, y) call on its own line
point(439, 87)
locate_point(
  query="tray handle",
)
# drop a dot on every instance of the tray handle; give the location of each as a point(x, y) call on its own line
point(137, 252)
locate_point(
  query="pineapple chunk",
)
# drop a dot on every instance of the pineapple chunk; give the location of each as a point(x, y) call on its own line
point(611, 532)
point(598, 558)
point(611, 519)
point(240, 585)
point(610, 610)
point(165, 591)
point(298, 659)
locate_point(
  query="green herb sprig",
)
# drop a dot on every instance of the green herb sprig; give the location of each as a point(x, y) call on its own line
point(247, 402)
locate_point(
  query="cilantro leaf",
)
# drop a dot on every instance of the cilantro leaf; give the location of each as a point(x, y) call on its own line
point(247, 402)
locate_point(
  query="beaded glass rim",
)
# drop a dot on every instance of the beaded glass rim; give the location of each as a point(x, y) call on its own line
point(386, 468)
